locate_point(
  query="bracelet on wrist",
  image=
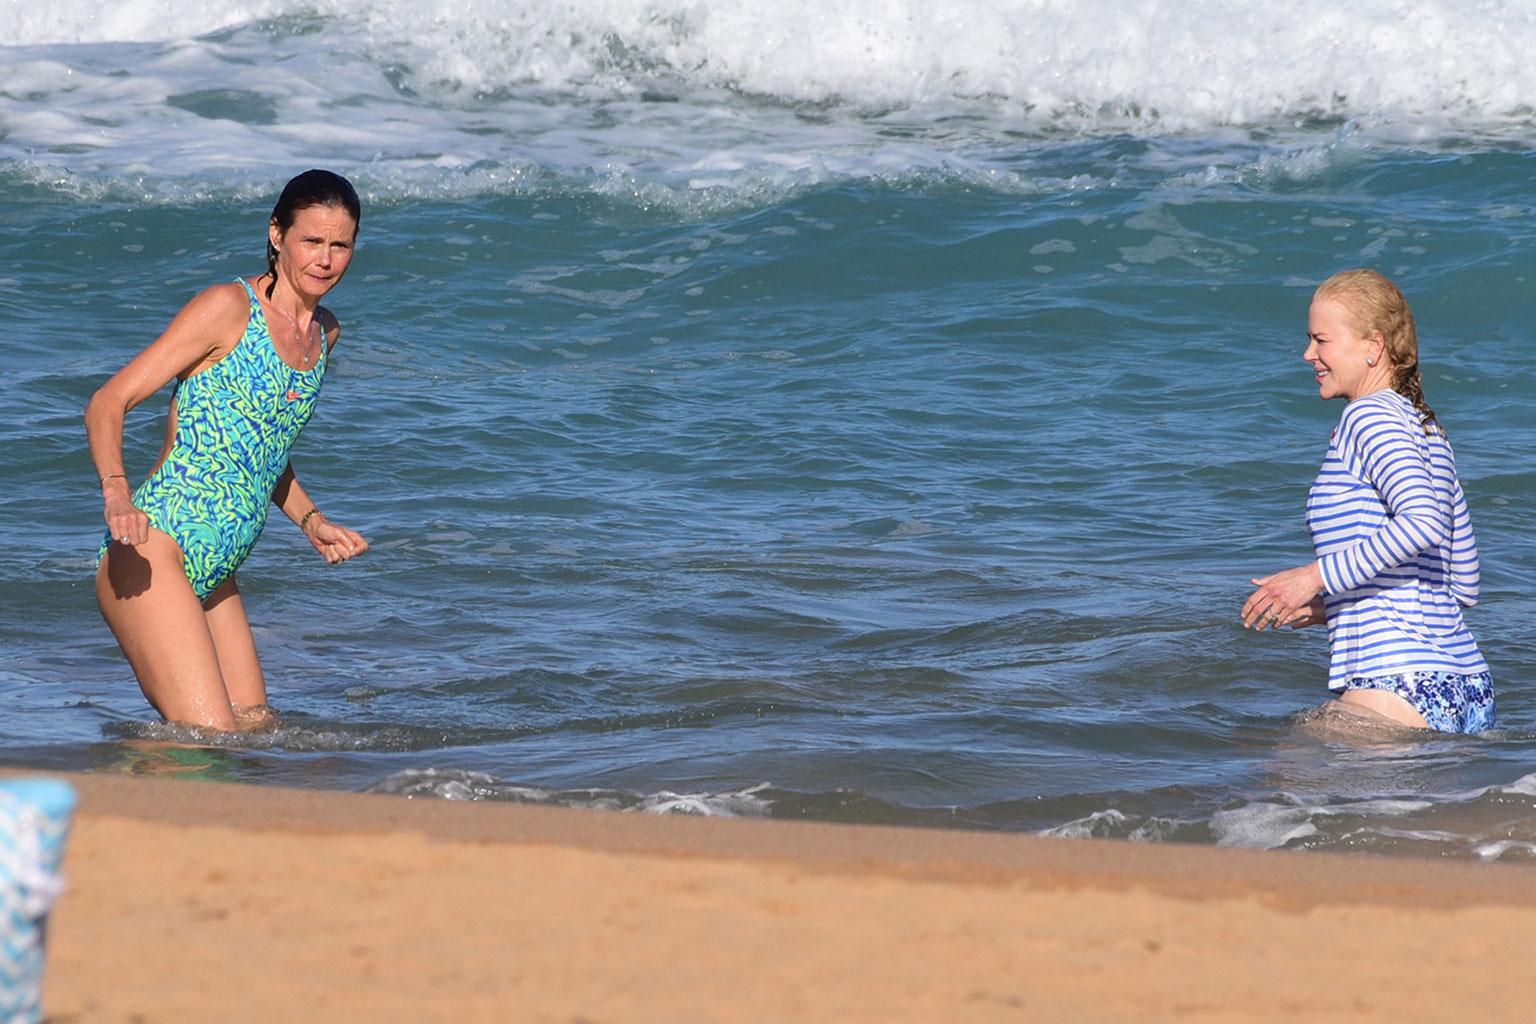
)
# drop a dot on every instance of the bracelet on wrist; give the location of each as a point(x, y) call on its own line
point(304, 522)
point(113, 476)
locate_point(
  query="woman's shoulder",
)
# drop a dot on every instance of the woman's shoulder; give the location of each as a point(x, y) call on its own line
point(226, 299)
point(329, 324)
point(1385, 406)
point(217, 306)
point(1380, 417)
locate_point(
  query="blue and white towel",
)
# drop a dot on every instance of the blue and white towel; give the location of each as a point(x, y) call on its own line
point(34, 822)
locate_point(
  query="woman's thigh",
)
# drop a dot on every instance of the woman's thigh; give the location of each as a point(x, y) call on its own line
point(236, 647)
point(1389, 705)
point(162, 628)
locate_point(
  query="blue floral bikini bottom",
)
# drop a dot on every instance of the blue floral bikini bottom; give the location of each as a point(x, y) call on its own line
point(1448, 702)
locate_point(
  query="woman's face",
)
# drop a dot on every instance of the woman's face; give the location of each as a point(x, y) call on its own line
point(314, 252)
point(1338, 355)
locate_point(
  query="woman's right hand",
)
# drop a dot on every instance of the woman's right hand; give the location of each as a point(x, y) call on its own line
point(127, 523)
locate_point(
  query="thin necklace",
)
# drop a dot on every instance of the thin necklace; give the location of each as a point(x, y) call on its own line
point(300, 339)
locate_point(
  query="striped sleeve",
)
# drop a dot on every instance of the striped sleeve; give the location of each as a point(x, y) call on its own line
point(1379, 448)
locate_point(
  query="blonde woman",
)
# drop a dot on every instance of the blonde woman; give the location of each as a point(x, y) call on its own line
point(1396, 557)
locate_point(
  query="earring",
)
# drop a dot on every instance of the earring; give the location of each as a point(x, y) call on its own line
point(1370, 361)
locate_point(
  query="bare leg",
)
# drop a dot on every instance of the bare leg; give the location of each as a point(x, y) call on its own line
point(238, 663)
point(162, 628)
point(1388, 705)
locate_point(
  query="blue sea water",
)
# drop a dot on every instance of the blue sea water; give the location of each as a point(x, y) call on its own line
point(870, 414)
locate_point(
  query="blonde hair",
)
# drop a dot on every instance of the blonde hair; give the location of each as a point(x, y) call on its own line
point(1373, 303)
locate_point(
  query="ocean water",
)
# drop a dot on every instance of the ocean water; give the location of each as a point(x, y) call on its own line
point(869, 413)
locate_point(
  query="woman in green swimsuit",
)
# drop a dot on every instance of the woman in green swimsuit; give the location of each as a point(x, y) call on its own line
point(249, 358)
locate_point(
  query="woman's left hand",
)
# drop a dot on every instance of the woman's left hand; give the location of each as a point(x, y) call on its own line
point(1279, 597)
point(335, 542)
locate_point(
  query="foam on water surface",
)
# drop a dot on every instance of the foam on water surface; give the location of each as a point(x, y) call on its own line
point(681, 105)
point(459, 784)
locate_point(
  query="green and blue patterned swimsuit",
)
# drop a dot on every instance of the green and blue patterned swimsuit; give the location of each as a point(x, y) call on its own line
point(236, 421)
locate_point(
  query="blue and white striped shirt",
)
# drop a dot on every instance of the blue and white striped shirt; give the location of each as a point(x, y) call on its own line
point(1394, 540)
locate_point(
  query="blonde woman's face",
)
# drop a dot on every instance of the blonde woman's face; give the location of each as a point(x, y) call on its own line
point(1339, 356)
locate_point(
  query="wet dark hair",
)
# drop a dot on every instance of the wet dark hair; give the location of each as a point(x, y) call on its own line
point(312, 188)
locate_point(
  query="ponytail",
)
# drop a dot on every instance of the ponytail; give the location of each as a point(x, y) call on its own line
point(271, 267)
point(1407, 382)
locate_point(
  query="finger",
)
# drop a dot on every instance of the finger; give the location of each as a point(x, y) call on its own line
point(1259, 607)
point(124, 529)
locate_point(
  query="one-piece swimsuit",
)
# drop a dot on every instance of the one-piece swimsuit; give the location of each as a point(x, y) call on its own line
point(236, 422)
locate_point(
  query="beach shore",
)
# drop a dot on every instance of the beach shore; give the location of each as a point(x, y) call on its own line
point(195, 901)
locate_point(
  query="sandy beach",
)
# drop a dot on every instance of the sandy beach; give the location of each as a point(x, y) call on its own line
point(211, 902)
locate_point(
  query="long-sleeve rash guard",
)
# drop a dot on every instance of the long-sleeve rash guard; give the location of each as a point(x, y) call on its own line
point(1394, 540)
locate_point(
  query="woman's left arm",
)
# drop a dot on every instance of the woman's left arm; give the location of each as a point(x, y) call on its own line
point(336, 543)
point(1382, 450)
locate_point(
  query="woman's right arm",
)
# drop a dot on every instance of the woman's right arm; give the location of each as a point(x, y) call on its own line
point(204, 330)
point(1311, 614)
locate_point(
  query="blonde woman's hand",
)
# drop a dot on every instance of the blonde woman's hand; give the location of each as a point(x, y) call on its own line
point(1279, 598)
point(1312, 615)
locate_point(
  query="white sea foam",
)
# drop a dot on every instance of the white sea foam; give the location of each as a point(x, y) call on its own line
point(1181, 62)
point(1115, 824)
point(1263, 826)
point(460, 784)
point(680, 103)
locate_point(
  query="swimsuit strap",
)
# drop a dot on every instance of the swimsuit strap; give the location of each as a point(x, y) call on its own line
point(249, 291)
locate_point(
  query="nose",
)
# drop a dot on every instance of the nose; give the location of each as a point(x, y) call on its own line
point(1311, 352)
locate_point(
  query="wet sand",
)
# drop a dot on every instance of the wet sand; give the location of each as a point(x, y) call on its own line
point(196, 901)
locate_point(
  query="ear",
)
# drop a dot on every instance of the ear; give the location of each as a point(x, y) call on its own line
point(1376, 343)
point(275, 234)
